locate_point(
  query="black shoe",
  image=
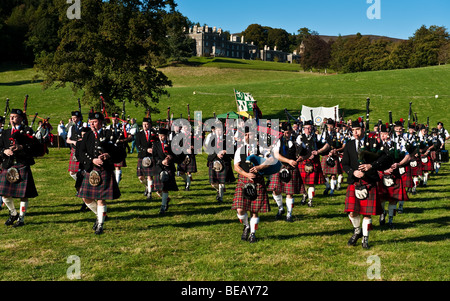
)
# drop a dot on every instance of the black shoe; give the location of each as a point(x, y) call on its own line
point(245, 233)
point(279, 213)
point(252, 238)
point(391, 225)
point(162, 211)
point(99, 229)
point(19, 223)
point(325, 192)
point(289, 218)
point(354, 239)
point(187, 188)
point(11, 219)
point(383, 218)
point(365, 242)
point(310, 204)
point(303, 201)
point(219, 199)
point(94, 227)
point(84, 208)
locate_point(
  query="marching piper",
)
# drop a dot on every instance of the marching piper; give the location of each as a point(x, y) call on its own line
point(309, 162)
point(288, 180)
point(73, 136)
point(425, 148)
point(98, 153)
point(146, 163)
point(251, 194)
point(18, 148)
point(188, 164)
point(361, 162)
point(121, 139)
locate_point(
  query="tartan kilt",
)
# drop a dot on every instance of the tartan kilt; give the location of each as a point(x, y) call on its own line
point(261, 204)
point(73, 165)
point(429, 166)
point(191, 167)
point(107, 190)
point(407, 177)
point(170, 185)
point(24, 188)
point(395, 193)
point(328, 170)
point(369, 206)
point(121, 164)
point(144, 171)
point(314, 178)
point(223, 177)
point(294, 186)
point(416, 171)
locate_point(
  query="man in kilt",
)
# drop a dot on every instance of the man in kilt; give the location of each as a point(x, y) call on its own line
point(426, 146)
point(219, 162)
point(164, 170)
point(144, 144)
point(361, 162)
point(415, 163)
point(188, 162)
point(391, 186)
point(2, 124)
point(309, 161)
point(98, 153)
point(18, 148)
point(121, 139)
point(74, 135)
point(407, 177)
point(285, 151)
point(438, 143)
point(330, 162)
point(256, 202)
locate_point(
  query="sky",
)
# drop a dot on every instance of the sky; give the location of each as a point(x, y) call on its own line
point(392, 18)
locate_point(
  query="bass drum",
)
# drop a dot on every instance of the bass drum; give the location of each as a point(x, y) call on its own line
point(257, 160)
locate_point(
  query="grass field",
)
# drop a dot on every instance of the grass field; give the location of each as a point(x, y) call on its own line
point(199, 239)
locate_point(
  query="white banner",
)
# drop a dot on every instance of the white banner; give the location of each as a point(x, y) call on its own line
point(319, 113)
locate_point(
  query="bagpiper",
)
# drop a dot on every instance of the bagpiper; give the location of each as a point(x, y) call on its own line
point(146, 163)
point(361, 162)
point(18, 148)
point(74, 135)
point(250, 195)
point(121, 139)
point(425, 148)
point(98, 153)
point(309, 161)
point(287, 180)
point(391, 184)
point(188, 160)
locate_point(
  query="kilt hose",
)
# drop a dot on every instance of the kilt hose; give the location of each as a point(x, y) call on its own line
point(191, 167)
point(73, 165)
point(314, 178)
point(394, 193)
point(106, 190)
point(144, 171)
point(369, 206)
point(260, 205)
point(294, 186)
point(417, 170)
point(407, 177)
point(170, 185)
point(328, 170)
point(429, 165)
point(24, 188)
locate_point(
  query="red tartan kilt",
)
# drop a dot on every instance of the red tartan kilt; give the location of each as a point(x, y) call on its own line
point(73, 165)
point(107, 190)
point(261, 204)
point(327, 170)
point(24, 188)
point(144, 171)
point(121, 164)
point(369, 206)
point(294, 186)
point(407, 177)
point(191, 167)
point(416, 171)
point(395, 193)
point(314, 178)
point(429, 166)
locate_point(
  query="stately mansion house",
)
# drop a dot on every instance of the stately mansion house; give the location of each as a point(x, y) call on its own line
point(214, 42)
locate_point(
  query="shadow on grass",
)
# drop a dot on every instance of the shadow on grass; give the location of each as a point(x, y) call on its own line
point(21, 82)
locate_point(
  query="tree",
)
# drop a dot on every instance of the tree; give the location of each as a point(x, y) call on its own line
point(178, 45)
point(317, 53)
point(427, 43)
point(257, 34)
point(110, 50)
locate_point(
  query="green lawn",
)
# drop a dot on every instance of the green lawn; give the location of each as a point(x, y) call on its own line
point(199, 239)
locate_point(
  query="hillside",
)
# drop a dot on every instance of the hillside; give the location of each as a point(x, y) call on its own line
point(371, 37)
